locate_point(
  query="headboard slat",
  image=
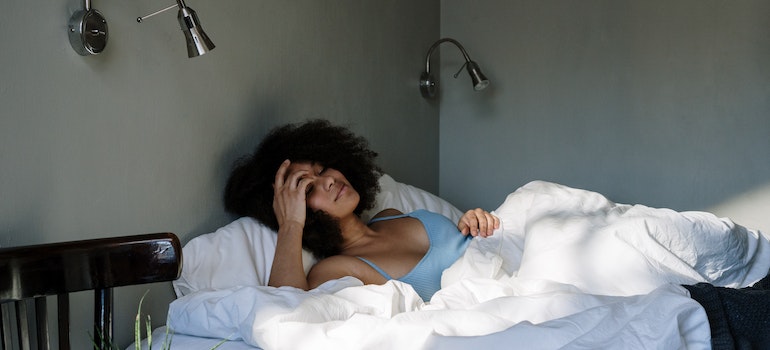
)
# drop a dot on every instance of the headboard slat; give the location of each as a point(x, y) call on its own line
point(41, 322)
point(63, 315)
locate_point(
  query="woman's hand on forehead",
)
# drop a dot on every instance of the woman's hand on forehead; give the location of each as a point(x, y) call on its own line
point(289, 194)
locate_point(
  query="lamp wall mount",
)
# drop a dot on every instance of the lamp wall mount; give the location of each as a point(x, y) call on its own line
point(87, 31)
point(429, 85)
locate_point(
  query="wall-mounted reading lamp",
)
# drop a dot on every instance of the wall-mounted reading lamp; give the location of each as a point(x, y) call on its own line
point(428, 83)
point(198, 43)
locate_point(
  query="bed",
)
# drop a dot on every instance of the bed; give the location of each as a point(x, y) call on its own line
point(568, 269)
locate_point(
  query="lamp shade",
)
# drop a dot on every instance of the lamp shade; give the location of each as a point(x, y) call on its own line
point(198, 43)
point(479, 80)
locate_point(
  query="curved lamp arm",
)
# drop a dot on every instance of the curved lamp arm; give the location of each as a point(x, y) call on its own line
point(429, 85)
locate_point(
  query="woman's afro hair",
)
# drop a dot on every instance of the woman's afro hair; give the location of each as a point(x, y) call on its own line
point(249, 190)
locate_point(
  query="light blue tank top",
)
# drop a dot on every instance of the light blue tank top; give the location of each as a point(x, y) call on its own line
point(447, 244)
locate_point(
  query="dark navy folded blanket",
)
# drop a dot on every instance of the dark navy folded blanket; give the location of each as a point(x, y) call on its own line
point(738, 318)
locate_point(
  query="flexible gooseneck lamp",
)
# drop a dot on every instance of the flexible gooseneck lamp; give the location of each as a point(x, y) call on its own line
point(428, 84)
point(198, 43)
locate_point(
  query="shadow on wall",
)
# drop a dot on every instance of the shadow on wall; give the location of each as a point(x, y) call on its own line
point(247, 135)
point(750, 209)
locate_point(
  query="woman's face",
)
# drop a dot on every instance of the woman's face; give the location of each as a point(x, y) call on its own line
point(329, 190)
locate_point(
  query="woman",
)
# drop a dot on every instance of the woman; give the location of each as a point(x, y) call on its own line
point(310, 182)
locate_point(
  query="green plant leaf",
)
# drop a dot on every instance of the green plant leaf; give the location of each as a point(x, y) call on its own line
point(137, 329)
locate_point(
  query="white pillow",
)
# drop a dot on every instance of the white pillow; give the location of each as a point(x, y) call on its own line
point(407, 198)
point(241, 253)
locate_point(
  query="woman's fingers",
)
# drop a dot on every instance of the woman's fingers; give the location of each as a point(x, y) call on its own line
point(280, 175)
point(478, 222)
point(469, 223)
point(289, 194)
point(290, 183)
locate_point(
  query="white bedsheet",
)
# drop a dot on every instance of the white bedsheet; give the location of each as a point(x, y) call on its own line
point(567, 269)
point(187, 342)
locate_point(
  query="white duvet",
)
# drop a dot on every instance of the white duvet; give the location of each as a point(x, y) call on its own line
point(567, 269)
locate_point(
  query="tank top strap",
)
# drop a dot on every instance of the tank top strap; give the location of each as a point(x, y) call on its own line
point(388, 218)
point(376, 268)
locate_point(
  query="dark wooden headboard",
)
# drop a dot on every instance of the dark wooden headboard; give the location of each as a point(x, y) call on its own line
point(31, 273)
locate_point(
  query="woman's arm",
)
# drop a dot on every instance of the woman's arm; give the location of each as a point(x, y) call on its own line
point(287, 269)
point(478, 222)
point(290, 210)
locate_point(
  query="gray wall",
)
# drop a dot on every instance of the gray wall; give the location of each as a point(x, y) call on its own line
point(140, 138)
point(665, 103)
